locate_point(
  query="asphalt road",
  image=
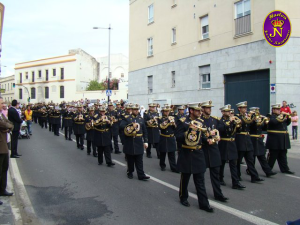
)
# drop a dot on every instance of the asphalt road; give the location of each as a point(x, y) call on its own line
point(66, 186)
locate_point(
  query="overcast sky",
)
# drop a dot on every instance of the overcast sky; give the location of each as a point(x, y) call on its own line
point(35, 29)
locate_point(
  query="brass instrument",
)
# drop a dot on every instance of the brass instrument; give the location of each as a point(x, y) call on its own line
point(171, 120)
point(137, 126)
point(237, 121)
point(283, 115)
point(216, 136)
point(153, 122)
point(197, 125)
point(89, 125)
point(113, 119)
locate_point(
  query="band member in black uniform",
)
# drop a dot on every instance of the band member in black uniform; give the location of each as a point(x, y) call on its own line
point(278, 140)
point(167, 142)
point(191, 158)
point(178, 116)
point(43, 117)
point(102, 137)
point(68, 122)
point(78, 127)
point(56, 120)
point(50, 119)
point(34, 113)
point(256, 128)
point(90, 132)
point(135, 140)
point(127, 113)
point(113, 115)
point(244, 144)
point(150, 118)
point(211, 151)
point(227, 129)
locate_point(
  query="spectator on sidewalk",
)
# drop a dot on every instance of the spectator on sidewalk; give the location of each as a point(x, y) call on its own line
point(4, 110)
point(285, 108)
point(5, 128)
point(28, 119)
point(14, 117)
point(295, 125)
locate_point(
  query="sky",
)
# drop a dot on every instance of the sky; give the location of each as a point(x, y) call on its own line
point(36, 29)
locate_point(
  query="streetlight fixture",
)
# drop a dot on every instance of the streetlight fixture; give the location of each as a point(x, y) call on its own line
point(108, 80)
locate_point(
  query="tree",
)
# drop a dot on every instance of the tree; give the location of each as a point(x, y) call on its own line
point(95, 85)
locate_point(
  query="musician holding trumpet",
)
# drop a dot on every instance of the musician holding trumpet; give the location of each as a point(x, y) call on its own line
point(90, 131)
point(78, 126)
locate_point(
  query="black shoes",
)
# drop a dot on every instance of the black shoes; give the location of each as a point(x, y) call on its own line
point(149, 156)
point(130, 175)
point(288, 172)
point(118, 152)
point(110, 164)
point(270, 174)
point(238, 186)
point(144, 178)
point(81, 147)
point(248, 172)
point(18, 155)
point(222, 182)
point(175, 171)
point(95, 154)
point(221, 198)
point(6, 193)
point(163, 169)
point(256, 180)
point(207, 209)
point(185, 203)
point(100, 163)
point(14, 156)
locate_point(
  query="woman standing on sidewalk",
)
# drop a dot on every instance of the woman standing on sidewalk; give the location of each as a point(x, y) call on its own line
point(295, 125)
point(28, 118)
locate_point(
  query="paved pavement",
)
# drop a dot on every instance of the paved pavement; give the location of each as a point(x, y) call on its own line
point(66, 186)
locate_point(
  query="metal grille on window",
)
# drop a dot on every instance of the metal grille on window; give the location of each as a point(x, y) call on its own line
point(32, 93)
point(46, 92)
point(204, 77)
point(20, 93)
point(62, 91)
point(243, 17)
point(173, 79)
point(150, 84)
point(150, 46)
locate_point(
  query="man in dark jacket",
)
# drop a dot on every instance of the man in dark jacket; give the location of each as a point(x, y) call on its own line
point(14, 117)
point(278, 140)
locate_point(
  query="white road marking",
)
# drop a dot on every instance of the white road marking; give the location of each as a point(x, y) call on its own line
point(242, 215)
point(292, 176)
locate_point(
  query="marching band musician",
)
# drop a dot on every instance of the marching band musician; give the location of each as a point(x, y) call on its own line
point(135, 140)
point(90, 132)
point(167, 142)
point(211, 151)
point(50, 119)
point(256, 128)
point(102, 137)
point(43, 117)
point(278, 140)
point(68, 122)
point(56, 120)
point(227, 128)
point(113, 114)
point(191, 158)
point(150, 117)
point(178, 116)
point(78, 127)
point(125, 115)
point(244, 144)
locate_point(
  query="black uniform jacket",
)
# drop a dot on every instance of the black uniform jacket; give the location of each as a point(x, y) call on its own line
point(242, 138)
point(89, 127)
point(167, 142)
point(227, 145)
point(78, 123)
point(257, 137)
point(56, 119)
point(68, 119)
point(134, 138)
point(211, 152)
point(152, 127)
point(102, 131)
point(278, 136)
point(191, 158)
point(113, 114)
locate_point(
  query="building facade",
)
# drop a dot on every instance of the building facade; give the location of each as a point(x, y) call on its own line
point(55, 79)
point(183, 51)
point(7, 85)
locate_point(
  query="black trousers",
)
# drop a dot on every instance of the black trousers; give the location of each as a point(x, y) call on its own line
point(280, 156)
point(43, 123)
point(148, 150)
point(50, 126)
point(68, 132)
point(137, 161)
point(4, 161)
point(35, 119)
point(14, 142)
point(233, 171)
point(200, 187)
point(89, 145)
point(263, 163)
point(248, 155)
point(215, 181)
point(79, 140)
point(55, 128)
point(107, 154)
point(116, 144)
point(172, 160)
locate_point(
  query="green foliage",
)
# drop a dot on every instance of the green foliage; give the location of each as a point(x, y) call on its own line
point(95, 86)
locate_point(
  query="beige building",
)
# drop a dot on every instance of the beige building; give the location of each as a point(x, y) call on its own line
point(184, 51)
point(7, 88)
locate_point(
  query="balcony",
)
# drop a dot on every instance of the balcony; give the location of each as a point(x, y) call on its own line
point(243, 25)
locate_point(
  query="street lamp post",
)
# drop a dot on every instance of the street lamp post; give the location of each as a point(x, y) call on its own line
point(108, 80)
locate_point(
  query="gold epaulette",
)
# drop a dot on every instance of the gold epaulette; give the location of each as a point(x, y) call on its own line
point(215, 117)
point(182, 119)
point(126, 116)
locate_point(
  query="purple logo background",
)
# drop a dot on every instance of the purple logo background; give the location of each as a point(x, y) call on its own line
point(271, 33)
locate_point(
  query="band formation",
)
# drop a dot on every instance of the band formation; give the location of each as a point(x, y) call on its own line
point(201, 141)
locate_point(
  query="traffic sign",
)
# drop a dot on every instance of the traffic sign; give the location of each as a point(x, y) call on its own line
point(108, 92)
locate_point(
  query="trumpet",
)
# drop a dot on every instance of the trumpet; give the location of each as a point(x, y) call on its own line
point(198, 125)
point(283, 115)
point(113, 119)
point(171, 120)
point(215, 137)
point(237, 120)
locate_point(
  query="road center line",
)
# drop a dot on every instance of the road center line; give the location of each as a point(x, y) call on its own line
point(242, 215)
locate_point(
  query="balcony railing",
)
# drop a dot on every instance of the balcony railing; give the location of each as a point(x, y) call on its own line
point(243, 24)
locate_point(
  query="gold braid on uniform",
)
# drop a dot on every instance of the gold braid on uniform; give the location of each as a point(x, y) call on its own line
point(129, 130)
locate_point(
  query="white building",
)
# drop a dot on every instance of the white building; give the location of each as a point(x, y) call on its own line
point(119, 65)
point(7, 88)
point(55, 79)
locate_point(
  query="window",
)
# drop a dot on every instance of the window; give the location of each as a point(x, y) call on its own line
point(62, 91)
point(40, 73)
point(47, 75)
point(26, 76)
point(32, 76)
point(46, 92)
point(150, 14)
point(242, 8)
point(173, 35)
point(173, 79)
point(204, 27)
point(62, 73)
point(204, 77)
point(32, 93)
point(54, 72)
point(242, 17)
point(21, 78)
point(150, 46)
point(150, 84)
